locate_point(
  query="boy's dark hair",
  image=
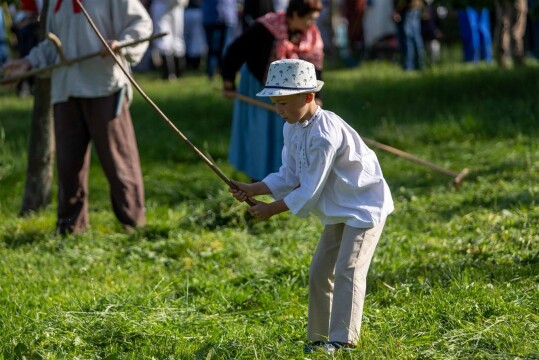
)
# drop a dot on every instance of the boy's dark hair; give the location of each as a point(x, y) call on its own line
point(303, 7)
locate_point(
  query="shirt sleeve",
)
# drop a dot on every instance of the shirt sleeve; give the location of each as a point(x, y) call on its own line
point(321, 158)
point(43, 55)
point(284, 181)
point(131, 22)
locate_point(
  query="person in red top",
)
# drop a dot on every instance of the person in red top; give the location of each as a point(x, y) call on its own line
point(29, 5)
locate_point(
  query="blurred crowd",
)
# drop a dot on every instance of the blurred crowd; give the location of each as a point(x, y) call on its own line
point(409, 31)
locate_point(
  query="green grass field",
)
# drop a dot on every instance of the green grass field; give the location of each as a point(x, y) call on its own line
point(455, 276)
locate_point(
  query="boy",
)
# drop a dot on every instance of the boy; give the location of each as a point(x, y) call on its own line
point(327, 170)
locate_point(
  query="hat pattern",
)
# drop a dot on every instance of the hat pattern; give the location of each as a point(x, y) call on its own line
point(290, 76)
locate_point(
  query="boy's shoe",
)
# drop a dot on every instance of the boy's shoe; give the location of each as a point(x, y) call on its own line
point(328, 347)
point(312, 347)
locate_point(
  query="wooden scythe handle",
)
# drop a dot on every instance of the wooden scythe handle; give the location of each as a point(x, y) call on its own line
point(58, 46)
point(457, 177)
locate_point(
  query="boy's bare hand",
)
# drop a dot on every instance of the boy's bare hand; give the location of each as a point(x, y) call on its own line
point(261, 210)
point(242, 191)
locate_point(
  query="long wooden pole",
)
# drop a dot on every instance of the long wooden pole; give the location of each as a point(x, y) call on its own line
point(65, 62)
point(458, 177)
point(155, 107)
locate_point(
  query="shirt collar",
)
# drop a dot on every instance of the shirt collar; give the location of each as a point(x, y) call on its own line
point(315, 117)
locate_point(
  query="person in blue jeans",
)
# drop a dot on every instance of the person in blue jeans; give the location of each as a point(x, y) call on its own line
point(220, 19)
point(407, 16)
point(475, 32)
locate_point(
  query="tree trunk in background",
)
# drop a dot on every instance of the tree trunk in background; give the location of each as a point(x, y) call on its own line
point(39, 175)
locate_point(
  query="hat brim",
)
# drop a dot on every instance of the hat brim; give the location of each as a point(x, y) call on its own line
point(285, 92)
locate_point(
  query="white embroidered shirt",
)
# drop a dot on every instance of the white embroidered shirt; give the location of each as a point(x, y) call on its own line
point(328, 170)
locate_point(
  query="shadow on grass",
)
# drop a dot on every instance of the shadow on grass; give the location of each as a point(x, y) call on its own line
point(497, 202)
point(151, 233)
point(424, 277)
point(483, 102)
point(15, 238)
point(226, 350)
point(15, 125)
point(486, 103)
point(503, 170)
point(417, 178)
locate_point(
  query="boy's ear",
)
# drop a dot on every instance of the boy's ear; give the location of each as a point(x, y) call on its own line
point(309, 97)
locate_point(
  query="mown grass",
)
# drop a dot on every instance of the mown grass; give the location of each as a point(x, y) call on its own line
point(454, 277)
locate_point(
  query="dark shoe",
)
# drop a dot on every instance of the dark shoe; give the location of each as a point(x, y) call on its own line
point(64, 227)
point(342, 346)
point(503, 63)
point(168, 71)
point(130, 229)
point(193, 63)
point(328, 347)
point(312, 347)
point(61, 231)
point(179, 66)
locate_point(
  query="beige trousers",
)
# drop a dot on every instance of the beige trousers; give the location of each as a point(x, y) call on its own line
point(510, 29)
point(338, 281)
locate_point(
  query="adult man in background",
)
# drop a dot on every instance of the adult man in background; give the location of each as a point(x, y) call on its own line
point(91, 104)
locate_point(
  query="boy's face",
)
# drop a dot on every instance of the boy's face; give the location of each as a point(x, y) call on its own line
point(293, 108)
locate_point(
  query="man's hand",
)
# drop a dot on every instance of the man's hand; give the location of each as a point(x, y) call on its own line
point(113, 45)
point(229, 90)
point(16, 68)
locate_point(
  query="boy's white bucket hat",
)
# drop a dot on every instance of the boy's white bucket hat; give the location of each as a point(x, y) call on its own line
point(289, 77)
